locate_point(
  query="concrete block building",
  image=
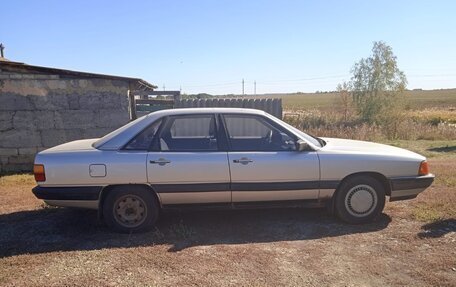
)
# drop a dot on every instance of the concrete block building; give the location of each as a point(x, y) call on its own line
point(41, 107)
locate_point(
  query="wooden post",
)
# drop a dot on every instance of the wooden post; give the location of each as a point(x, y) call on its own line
point(177, 96)
point(280, 109)
point(131, 101)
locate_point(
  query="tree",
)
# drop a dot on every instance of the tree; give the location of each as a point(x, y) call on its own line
point(344, 101)
point(377, 84)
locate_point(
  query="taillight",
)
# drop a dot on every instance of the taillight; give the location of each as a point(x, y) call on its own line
point(38, 171)
point(424, 168)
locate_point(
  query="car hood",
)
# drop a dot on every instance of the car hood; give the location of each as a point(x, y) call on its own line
point(72, 146)
point(359, 147)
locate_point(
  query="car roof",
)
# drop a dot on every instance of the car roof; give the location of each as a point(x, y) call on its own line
point(180, 111)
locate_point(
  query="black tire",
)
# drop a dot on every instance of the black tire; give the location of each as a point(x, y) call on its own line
point(330, 207)
point(130, 209)
point(359, 200)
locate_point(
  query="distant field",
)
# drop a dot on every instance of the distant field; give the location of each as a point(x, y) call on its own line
point(417, 99)
point(429, 115)
point(433, 98)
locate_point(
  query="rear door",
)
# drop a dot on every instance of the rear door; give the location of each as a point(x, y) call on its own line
point(264, 163)
point(185, 165)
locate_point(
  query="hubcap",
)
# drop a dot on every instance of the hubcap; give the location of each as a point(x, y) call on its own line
point(361, 200)
point(130, 210)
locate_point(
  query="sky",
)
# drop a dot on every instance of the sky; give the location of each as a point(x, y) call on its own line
point(211, 46)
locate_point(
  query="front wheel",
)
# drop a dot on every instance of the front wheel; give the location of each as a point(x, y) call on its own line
point(130, 209)
point(360, 200)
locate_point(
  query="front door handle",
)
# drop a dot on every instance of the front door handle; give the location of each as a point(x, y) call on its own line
point(160, 161)
point(243, 160)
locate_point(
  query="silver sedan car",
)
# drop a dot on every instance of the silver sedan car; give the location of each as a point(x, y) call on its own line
point(226, 158)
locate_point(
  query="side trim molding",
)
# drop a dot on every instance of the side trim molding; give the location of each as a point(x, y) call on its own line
point(245, 186)
point(280, 203)
point(93, 192)
point(191, 187)
point(293, 185)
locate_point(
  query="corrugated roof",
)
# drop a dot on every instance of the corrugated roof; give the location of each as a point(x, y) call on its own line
point(11, 66)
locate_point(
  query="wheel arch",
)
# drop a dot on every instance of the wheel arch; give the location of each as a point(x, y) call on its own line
point(105, 191)
point(378, 176)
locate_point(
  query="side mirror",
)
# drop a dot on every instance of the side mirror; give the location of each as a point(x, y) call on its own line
point(302, 145)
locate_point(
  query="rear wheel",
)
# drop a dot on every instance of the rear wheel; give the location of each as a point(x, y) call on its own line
point(360, 199)
point(130, 209)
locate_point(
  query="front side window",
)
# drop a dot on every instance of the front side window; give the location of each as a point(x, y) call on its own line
point(144, 139)
point(189, 133)
point(251, 133)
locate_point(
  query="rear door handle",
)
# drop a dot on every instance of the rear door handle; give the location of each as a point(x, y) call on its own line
point(243, 160)
point(160, 161)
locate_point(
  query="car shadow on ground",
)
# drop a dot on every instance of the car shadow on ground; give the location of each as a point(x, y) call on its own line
point(60, 229)
point(443, 149)
point(438, 228)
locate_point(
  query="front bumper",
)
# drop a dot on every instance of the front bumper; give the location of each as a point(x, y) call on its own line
point(409, 187)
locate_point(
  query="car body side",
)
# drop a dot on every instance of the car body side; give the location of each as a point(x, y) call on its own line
point(80, 173)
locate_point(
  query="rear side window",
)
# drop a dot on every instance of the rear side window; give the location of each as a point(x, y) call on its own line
point(144, 140)
point(189, 133)
point(192, 127)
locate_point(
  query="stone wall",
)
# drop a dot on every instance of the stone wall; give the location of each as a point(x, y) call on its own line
point(40, 111)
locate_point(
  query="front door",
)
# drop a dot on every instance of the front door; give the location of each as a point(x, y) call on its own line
point(264, 163)
point(187, 166)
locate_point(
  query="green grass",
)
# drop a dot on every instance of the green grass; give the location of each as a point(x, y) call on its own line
point(15, 179)
point(430, 149)
point(427, 213)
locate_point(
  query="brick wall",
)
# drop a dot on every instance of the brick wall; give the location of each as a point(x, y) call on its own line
point(40, 111)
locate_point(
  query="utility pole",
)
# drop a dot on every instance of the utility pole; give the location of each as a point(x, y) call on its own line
point(242, 86)
point(164, 87)
point(254, 88)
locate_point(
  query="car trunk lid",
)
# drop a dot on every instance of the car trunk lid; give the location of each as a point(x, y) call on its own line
point(85, 144)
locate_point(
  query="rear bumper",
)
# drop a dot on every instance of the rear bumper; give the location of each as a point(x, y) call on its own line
point(409, 187)
point(67, 193)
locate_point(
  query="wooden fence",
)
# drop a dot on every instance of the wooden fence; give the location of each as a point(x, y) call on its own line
point(271, 106)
